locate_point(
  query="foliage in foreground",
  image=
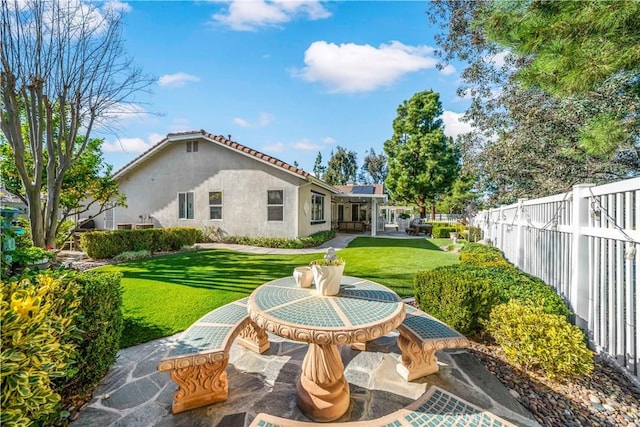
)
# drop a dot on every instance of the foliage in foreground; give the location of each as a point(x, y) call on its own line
point(537, 340)
point(38, 318)
point(60, 332)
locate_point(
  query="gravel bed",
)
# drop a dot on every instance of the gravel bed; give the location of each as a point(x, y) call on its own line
point(604, 398)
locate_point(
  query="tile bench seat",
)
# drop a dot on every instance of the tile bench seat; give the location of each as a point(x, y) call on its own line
point(198, 359)
point(421, 335)
point(436, 407)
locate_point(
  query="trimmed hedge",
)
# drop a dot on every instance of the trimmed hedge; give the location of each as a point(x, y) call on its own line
point(514, 284)
point(108, 244)
point(537, 340)
point(457, 295)
point(442, 231)
point(483, 256)
point(100, 326)
point(315, 239)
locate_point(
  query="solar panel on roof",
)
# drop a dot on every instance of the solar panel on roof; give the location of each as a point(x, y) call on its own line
point(363, 189)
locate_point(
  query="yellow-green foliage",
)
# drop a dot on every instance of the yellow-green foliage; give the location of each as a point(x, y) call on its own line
point(37, 326)
point(539, 341)
point(483, 256)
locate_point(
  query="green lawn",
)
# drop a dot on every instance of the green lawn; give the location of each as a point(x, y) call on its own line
point(164, 295)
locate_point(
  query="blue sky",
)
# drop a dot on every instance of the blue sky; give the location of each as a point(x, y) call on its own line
point(288, 78)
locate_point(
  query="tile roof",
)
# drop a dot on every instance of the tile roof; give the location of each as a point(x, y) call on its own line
point(222, 140)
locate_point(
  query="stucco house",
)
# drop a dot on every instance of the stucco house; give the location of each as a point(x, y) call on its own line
point(196, 179)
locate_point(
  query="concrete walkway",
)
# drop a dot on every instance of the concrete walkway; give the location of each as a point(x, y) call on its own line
point(341, 241)
point(135, 394)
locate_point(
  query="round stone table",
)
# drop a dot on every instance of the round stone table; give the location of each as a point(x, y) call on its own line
point(362, 311)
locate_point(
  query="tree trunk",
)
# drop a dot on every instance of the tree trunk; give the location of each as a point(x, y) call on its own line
point(433, 211)
point(36, 219)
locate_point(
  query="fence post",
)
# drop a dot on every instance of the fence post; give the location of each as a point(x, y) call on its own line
point(519, 252)
point(579, 293)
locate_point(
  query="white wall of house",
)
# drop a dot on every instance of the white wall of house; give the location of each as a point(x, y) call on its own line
point(306, 222)
point(153, 186)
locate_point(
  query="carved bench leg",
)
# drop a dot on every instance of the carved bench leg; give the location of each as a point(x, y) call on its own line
point(200, 385)
point(359, 346)
point(254, 338)
point(415, 362)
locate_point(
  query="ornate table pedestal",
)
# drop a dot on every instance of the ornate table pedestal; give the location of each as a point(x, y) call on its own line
point(361, 312)
point(322, 390)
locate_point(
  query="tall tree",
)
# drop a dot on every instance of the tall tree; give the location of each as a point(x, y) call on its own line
point(375, 167)
point(318, 168)
point(552, 142)
point(462, 198)
point(63, 72)
point(342, 167)
point(423, 162)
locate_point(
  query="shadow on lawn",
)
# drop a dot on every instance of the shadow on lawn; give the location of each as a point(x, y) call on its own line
point(378, 242)
point(139, 330)
point(216, 269)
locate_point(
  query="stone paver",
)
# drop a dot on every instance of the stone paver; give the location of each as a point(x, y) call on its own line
point(135, 394)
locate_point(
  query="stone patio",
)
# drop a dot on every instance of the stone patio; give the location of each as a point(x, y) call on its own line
point(135, 394)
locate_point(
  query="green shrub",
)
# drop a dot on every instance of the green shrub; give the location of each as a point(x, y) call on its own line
point(456, 295)
point(282, 242)
point(441, 231)
point(132, 255)
point(108, 244)
point(483, 256)
point(540, 341)
point(514, 284)
point(100, 326)
point(37, 329)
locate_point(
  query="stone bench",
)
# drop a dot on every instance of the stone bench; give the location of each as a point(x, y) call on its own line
point(420, 337)
point(198, 360)
point(436, 407)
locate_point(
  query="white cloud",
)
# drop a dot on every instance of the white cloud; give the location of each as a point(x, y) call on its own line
point(351, 67)
point(117, 6)
point(447, 70)
point(241, 122)
point(242, 15)
point(499, 59)
point(262, 120)
point(274, 148)
point(128, 145)
point(453, 124)
point(125, 111)
point(306, 145)
point(177, 79)
point(328, 140)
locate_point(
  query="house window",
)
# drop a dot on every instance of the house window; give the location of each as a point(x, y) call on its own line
point(192, 146)
point(358, 212)
point(185, 205)
point(317, 207)
point(275, 205)
point(215, 205)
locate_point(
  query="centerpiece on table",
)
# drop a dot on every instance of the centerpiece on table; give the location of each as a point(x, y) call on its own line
point(327, 273)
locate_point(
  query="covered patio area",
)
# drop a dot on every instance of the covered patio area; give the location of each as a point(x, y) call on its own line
point(357, 209)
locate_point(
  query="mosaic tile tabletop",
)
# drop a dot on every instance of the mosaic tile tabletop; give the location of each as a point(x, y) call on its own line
point(362, 310)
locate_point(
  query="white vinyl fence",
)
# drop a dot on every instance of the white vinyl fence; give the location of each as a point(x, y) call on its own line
point(586, 244)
